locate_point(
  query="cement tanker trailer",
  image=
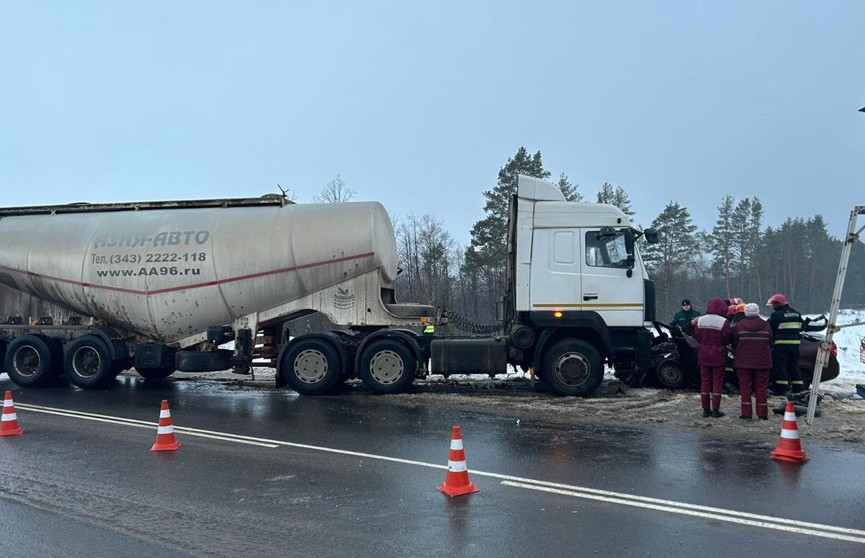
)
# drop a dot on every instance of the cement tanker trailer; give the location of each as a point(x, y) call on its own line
point(161, 285)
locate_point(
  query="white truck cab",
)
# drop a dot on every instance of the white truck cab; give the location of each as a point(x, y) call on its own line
point(574, 256)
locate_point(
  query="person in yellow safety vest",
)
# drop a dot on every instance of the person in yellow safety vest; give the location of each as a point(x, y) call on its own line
point(786, 324)
point(429, 329)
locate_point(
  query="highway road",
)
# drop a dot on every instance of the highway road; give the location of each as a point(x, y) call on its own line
point(264, 472)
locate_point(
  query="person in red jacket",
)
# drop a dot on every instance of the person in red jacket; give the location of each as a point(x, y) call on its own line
point(752, 359)
point(712, 331)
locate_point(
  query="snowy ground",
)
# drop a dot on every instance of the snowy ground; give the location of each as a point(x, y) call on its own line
point(848, 340)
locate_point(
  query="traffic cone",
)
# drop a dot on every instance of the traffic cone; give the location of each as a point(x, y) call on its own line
point(9, 421)
point(457, 479)
point(165, 433)
point(789, 448)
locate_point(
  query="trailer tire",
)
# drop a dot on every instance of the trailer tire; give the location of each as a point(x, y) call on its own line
point(311, 366)
point(670, 374)
point(30, 361)
point(572, 367)
point(203, 361)
point(87, 363)
point(387, 366)
point(155, 373)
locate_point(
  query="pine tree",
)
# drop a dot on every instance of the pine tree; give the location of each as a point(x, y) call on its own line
point(485, 257)
point(670, 259)
point(489, 235)
point(616, 196)
point(741, 249)
point(820, 254)
point(721, 242)
point(569, 190)
point(755, 223)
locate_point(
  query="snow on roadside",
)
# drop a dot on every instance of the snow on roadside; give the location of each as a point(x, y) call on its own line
point(848, 340)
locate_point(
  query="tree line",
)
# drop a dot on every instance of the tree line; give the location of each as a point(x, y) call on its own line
point(739, 257)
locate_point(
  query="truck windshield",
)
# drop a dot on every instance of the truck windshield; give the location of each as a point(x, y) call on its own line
point(606, 250)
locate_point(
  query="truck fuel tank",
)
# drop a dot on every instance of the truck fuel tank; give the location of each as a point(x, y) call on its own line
point(468, 356)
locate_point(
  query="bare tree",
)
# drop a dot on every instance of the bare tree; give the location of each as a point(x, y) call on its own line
point(425, 251)
point(335, 192)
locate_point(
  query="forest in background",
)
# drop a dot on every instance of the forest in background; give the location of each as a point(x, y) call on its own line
point(740, 256)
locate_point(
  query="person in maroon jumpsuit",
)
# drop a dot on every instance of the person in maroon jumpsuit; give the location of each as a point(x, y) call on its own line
point(712, 331)
point(752, 359)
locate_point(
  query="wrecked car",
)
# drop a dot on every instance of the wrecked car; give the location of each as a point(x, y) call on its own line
point(674, 359)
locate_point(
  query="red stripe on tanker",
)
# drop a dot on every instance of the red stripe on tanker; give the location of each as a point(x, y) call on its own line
point(170, 273)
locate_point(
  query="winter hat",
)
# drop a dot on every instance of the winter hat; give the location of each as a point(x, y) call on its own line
point(686, 301)
point(752, 309)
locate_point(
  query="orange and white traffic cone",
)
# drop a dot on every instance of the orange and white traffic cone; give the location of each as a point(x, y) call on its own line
point(9, 421)
point(789, 448)
point(457, 479)
point(165, 433)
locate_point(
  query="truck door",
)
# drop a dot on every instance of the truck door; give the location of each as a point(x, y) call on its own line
point(555, 270)
point(607, 287)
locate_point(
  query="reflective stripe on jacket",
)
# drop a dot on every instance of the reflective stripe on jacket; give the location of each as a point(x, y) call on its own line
point(786, 324)
point(752, 343)
point(712, 331)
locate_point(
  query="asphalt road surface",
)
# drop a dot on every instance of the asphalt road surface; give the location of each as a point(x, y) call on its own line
point(264, 472)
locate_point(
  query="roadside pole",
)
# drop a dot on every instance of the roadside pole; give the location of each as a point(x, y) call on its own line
point(823, 352)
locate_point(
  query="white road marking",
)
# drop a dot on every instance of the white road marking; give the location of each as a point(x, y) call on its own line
point(144, 424)
point(730, 518)
point(670, 506)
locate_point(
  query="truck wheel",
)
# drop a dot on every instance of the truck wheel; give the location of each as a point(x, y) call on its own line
point(572, 367)
point(155, 373)
point(87, 363)
point(387, 366)
point(203, 361)
point(670, 374)
point(310, 367)
point(30, 362)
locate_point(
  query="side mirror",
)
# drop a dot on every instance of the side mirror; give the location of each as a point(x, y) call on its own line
point(651, 236)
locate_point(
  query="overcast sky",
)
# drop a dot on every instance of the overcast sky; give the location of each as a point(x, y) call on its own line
point(418, 104)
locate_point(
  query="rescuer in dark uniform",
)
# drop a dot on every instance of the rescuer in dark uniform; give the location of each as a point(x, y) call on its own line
point(786, 324)
point(684, 317)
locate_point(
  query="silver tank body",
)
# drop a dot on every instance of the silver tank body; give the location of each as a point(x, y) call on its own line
point(170, 273)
